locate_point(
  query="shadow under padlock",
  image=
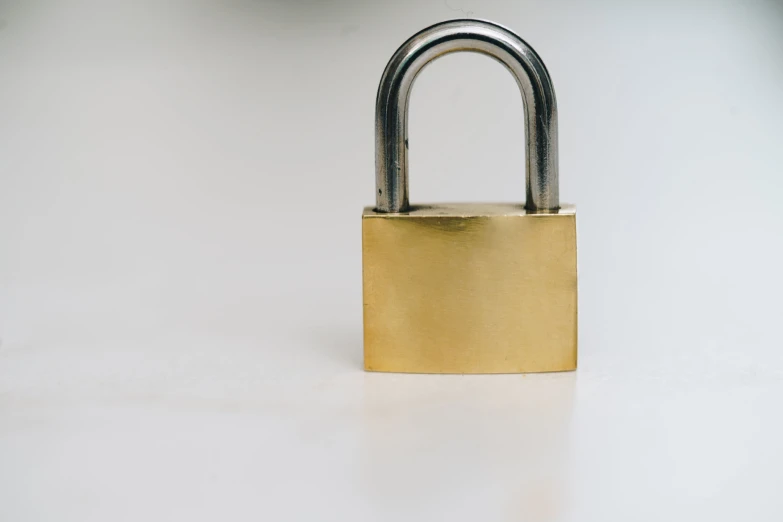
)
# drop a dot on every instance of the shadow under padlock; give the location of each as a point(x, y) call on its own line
point(473, 448)
point(468, 287)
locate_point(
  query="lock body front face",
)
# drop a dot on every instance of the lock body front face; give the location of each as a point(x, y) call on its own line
point(470, 288)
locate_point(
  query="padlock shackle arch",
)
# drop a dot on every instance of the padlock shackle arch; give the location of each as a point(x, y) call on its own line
point(535, 85)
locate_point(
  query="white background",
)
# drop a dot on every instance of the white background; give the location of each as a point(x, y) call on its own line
point(180, 264)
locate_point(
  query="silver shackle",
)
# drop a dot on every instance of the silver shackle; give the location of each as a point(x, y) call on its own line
point(538, 96)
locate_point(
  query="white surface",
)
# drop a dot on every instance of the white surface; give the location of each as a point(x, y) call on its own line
point(180, 289)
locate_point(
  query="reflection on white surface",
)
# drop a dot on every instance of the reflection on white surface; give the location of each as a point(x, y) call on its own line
point(419, 438)
point(209, 427)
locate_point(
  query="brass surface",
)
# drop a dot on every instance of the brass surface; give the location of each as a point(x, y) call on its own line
point(469, 288)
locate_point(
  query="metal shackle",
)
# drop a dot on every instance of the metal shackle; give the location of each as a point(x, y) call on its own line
point(538, 96)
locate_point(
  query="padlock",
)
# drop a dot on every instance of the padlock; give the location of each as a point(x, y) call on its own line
point(468, 287)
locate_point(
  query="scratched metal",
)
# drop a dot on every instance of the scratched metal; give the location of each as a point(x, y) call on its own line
point(535, 85)
point(470, 288)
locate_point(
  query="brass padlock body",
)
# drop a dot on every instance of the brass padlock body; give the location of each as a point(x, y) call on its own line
point(470, 288)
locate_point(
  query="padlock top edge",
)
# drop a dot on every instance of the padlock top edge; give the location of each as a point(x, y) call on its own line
point(467, 210)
